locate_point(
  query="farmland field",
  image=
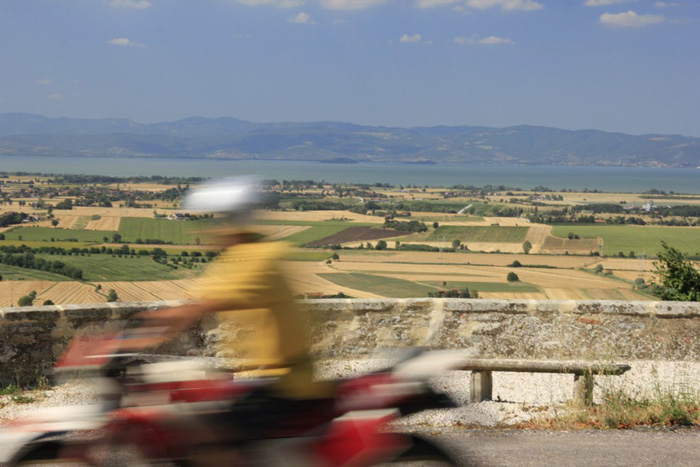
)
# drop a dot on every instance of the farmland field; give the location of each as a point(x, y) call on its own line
point(14, 273)
point(384, 286)
point(486, 286)
point(316, 232)
point(356, 234)
point(170, 231)
point(297, 255)
point(47, 233)
point(105, 267)
point(640, 239)
point(483, 234)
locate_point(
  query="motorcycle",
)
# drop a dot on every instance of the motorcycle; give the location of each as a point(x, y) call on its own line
point(165, 413)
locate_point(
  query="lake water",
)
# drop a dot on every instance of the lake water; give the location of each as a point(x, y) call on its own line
point(614, 179)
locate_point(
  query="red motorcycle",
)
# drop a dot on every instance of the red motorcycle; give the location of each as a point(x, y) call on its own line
point(166, 413)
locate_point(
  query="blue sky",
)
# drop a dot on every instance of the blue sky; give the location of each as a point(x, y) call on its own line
point(615, 65)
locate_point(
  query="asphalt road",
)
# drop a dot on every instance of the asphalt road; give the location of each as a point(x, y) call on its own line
point(647, 447)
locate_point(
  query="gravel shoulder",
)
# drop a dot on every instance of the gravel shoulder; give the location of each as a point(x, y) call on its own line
point(518, 397)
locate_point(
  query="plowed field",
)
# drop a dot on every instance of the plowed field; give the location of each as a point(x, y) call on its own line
point(357, 234)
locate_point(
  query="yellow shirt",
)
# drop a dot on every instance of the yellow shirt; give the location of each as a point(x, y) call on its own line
point(270, 328)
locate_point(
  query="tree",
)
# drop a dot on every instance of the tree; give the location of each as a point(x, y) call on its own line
point(116, 238)
point(436, 225)
point(456, 242)
point(381, 245)
point(112, 296)
point(599, 268)
point(335, 256)
point(48, 302)
point(677, 278)
point(25, 301)
point(527, 246)
point(512, 277)
point(54, 222)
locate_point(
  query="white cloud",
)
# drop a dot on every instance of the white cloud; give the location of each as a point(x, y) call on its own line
point(43, 81)
point(134, 4)
point(122, 41)
point(605, 2)
point(629, 19)
point(301, 18)
point(506, 5)
point(55, 97)
point(665, 4)
point(490, 40)
point(406, 39)
point(350, 4)
point(433, 3)
point(495, 40)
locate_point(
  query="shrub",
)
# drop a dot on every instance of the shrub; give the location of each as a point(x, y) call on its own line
point(512, 277)
point(112, 296)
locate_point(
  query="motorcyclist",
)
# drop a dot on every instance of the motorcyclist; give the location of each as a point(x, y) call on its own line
point(259, 320)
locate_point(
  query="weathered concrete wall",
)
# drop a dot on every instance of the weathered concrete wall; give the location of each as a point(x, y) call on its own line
point(32, 338)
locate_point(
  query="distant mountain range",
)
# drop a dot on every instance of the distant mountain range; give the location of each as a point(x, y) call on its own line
point(230, 138)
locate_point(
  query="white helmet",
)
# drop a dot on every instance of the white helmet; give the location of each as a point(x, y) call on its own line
point(234, 196)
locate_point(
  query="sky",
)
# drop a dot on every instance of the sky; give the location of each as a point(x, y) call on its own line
point(631, 66)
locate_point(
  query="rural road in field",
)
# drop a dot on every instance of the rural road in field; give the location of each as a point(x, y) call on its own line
point(648, 447)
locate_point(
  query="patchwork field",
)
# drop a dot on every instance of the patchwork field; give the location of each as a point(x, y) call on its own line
point(556, 268)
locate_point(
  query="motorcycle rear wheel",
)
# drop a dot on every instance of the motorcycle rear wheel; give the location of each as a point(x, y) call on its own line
point(47, 453)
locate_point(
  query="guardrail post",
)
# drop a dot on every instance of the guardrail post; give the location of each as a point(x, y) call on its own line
point(583, 388)
point(481, 386)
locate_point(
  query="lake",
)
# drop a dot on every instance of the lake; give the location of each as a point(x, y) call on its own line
point(613, 179)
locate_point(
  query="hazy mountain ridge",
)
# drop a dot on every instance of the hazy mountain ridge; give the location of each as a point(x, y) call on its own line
point(227, 137)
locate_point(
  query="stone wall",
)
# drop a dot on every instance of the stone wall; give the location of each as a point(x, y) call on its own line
point(32, 338)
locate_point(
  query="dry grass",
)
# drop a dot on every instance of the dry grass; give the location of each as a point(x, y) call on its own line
point(618, 409)
point(104, 223)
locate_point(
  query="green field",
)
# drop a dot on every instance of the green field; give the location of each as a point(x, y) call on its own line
point(307, 256)
point(169, 231)
point(384, 286)
point(13, 273)
point(642, 240)
point(47, 233)
point(107, 268)
point(486, 286)
point(478, 234)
